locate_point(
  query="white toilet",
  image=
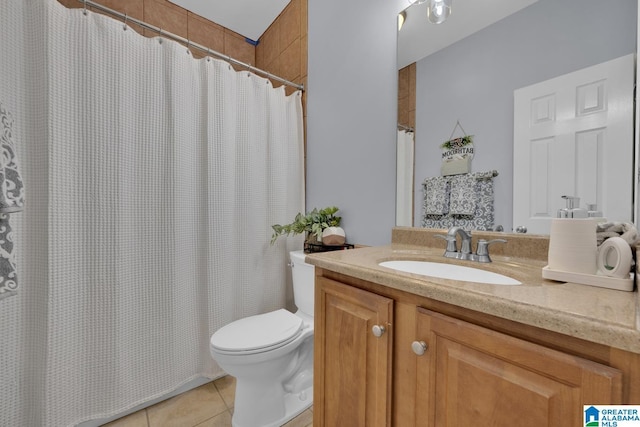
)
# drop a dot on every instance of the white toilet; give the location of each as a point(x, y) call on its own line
point(271, 356)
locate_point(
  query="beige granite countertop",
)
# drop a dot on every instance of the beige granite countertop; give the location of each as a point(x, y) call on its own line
point(604, 316)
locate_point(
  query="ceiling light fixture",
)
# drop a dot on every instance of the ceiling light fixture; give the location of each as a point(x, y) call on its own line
point(438, 10)
point(402, 16)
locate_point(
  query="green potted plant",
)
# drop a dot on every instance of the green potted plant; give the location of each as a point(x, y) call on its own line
point(312, 224)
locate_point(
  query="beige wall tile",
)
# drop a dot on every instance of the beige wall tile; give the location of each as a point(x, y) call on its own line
point(167, 3)
point(412, 91)
point(236, 47)
point(270, 44)
point(289, 22)
point(259, 55)
point(304, 14)
point(73, 4)
point(304, 100)
point(205, 32)
point(412, 96)
point(290, 89)
point(283, 46)
point(403, 114)
point(167, 16)
point(187, 409)
point(407, 95)
point(304, 56)
point(134, 8)
point(403, 83)
point(274, 68)
point(290, 61)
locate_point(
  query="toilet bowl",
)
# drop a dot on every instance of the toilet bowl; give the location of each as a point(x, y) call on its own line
point(271, 357)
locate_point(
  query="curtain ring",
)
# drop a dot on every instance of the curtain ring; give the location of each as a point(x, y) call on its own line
point(188, 45)
point(85, 7)
point(125, 22)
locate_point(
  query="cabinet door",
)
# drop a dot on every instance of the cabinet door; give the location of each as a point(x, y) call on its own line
point(471, 375)
point(352, 376)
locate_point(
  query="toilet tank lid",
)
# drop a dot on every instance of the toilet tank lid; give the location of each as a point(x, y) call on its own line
point(259, 331)
point(299, 256)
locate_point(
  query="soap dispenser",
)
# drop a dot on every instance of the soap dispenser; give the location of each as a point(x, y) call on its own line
point(594, 213)
point(573, 209)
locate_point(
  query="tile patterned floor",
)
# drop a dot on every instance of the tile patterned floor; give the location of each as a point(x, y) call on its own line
point(209, 405)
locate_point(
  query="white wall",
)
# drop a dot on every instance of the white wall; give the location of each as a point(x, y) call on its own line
point(351, 114)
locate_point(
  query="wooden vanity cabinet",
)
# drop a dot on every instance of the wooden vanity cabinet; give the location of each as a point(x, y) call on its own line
point(476, 369)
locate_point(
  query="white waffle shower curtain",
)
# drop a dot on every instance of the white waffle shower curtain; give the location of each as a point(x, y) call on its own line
point(153, 179)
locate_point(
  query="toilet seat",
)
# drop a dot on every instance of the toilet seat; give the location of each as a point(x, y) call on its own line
point(257, 334)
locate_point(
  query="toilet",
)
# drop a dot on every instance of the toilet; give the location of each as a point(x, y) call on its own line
point(271, 357)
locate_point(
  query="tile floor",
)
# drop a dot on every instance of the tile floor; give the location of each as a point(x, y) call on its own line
point(209, 405)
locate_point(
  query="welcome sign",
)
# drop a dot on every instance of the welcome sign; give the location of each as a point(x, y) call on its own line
point(458, 148)
point(456, 155)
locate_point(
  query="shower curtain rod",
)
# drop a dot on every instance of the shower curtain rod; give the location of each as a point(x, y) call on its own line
point(189, 43)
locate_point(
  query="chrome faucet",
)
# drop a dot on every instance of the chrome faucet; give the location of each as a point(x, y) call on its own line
point(452, 243)
point(482, 252)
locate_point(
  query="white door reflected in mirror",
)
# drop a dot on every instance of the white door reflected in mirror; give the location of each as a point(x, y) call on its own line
point(573, 135)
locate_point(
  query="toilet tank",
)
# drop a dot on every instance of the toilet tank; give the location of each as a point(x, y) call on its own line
point(303, 282)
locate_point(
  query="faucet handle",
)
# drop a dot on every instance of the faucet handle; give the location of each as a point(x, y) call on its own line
point(452, 246)
point(483, 249)
point(483, 245)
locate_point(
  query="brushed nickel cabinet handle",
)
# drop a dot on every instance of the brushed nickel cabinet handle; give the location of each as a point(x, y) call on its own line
point(378, 330)
point(419, 347)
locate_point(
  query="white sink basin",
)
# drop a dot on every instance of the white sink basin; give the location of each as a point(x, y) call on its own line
point(450, 271)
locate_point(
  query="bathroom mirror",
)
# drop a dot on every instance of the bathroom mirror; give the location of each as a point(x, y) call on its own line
point(470, 74)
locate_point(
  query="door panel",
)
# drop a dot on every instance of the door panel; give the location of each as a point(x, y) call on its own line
point(471, 375)
point(354, 384)
point(573, 135)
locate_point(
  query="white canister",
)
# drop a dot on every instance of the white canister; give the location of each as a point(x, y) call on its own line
point(573, 246)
